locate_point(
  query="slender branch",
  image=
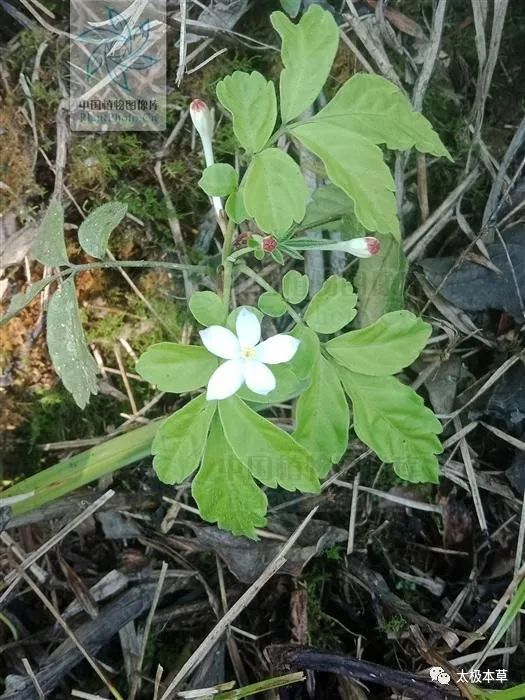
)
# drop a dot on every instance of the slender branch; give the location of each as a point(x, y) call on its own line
point(111, 264)
point(227, 264)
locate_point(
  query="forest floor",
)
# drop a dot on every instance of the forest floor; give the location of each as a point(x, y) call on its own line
point(128, 579)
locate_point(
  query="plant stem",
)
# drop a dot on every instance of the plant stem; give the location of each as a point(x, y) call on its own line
point(268, 287)
point(227, 265)
point(111, 264)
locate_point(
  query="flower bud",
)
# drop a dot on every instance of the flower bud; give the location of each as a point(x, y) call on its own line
point(269, 244)
point(360, 247)
point(202, 119)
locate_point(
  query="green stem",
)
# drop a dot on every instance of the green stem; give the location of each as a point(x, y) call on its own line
point(227, 264)
point(268, 287)
point(239, 253)
point(111, 264)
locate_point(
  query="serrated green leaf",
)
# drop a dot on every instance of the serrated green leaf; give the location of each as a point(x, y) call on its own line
point(274, 191)
point(219, 180)
point(272, 304)
point(333, 307)
point(272, 456)
point(356, 165)
point(49, 247)
point(308, 51)
point(177, 368)
point(393, 420)
point(67, 345)
point(374, 108)
point(295, 286)
point(22, 299)
point(179, 444)
point(386, 347)
point(251, 101)
point(326, 209)
point(95, 230)
point(380, 282)
point(235, 207)
point(225, 491)
point(322, 416)
point(207, 308)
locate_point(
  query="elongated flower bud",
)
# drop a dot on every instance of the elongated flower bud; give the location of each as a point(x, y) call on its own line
point(202, 119)
point(362, 247)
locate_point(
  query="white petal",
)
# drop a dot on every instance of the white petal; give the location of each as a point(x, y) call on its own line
point(248, 328)
point(221, 342)
point(226, 380)
point(278, 348)
point(258, 377)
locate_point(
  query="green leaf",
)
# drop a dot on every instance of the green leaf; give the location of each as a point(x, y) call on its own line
point(322, 416)
point(207, 308)
point(272, 456)
point(225, 491)
point(308, 51)
point(374, 108)
point(333, 307)
point(272, 304)
point(235, 207)
point(179, 443)
point(49, 247)
point(291, 7)
point(393, 420)
point(219, 179)
point(356, 165)
point(295, 286)
point(274, 191)
point(72, 473)
point(67, 345)
point(177, 368)
point(22, 299)
point(251, 101)
point(380, 282)
point(94, 231)
point(326, 209)
point(386, 347)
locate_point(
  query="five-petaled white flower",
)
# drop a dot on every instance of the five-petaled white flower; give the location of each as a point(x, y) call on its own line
point(246, 357)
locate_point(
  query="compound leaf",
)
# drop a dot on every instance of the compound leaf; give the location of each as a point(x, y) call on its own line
point(67, 345)
point(308, 51)
point(393, 420)
point(274, 191)
point(272, 304)
point(49, 247)
point(95, 230)
point(180, 441)
point(177, 368)
point(251, 101)
point(386, 347)
point(225, 491)
point(356, 165)
point(272, 456)
point(374, 108)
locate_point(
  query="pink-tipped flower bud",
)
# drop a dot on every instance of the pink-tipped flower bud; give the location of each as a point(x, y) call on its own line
point(269, 244)
point(202, 119)
point(361, 247)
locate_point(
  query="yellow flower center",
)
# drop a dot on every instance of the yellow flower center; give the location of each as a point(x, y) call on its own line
point(248, 353)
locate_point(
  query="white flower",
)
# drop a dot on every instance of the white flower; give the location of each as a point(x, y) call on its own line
point(360, 247)
point(202, 119)
point(246, 357)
